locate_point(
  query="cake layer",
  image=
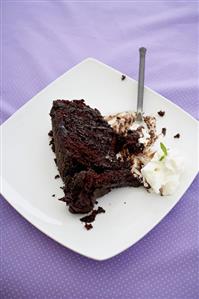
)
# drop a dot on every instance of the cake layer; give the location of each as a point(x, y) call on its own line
point(82, 190)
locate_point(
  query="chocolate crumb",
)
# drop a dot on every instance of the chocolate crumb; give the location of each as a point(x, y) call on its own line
point(148, 186)
point(62, 188)
point(55, 161)
point(161, 191)
point(57, 176)
point(96, 202)
point(100, 210)
point(88, 226)
point(177, 136)
point(164, 131)
point(124, 202)
point(50, 133)
point(53, 147)
point(91, 217)
point(53, 195)
point(161, 113)
point(123, 77)
point(51, 142)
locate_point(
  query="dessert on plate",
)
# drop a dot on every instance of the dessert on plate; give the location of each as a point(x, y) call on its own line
point(95, 154)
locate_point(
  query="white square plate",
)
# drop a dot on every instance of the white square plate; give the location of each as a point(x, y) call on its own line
point(28, 168)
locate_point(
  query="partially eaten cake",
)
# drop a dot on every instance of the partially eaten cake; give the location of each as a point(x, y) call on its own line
point(88, 154)
point(95, 154)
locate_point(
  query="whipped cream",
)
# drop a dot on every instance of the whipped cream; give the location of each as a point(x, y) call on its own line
point(144, 132)
point(145, 136)
point(124, 121)
point(164, 176)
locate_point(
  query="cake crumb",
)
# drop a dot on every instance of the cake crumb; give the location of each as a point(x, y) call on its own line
point(88, 226)
point(100, 210)
point(123, 77)
point(164, 130)
point(161, 113)
point(177, 136)
point(91, 217)
point(57, 176)
point(50, 133)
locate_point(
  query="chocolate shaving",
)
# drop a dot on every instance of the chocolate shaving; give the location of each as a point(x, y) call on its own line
point(88, 226)
point(164, 131)
point(177, 136)
point(161, 113)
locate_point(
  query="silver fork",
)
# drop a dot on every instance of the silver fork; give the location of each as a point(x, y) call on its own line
point(140, 95)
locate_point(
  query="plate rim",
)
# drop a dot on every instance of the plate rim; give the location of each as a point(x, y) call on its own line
point(107, 66)
point(22, 212)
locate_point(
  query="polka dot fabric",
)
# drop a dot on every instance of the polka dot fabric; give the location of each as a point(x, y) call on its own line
point(41, 40)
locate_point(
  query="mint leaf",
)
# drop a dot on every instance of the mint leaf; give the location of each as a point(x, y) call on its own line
point(164, 149)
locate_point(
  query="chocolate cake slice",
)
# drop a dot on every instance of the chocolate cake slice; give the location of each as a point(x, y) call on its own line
point(86, 150)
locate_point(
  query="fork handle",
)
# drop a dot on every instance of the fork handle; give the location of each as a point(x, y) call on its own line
point(140, 94)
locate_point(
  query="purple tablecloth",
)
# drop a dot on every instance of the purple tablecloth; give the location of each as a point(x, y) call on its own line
point(42, 40)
